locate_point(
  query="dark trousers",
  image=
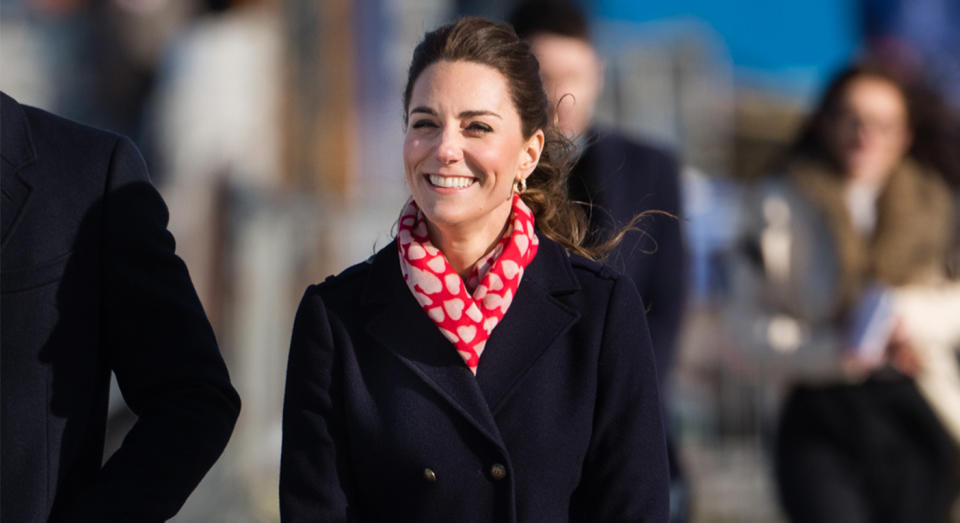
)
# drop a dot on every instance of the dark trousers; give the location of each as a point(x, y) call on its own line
point(868, 452)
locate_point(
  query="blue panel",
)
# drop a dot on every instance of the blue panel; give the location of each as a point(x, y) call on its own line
point(792, 39)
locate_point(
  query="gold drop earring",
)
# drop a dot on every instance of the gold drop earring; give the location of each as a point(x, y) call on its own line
point(520, 185)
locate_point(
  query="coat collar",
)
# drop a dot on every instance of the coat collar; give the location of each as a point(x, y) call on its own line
point(599, 174)
point(16, 152)
point(532, 323)
point(913, 210)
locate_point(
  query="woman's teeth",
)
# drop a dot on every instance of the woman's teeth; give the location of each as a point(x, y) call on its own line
point(453, 182)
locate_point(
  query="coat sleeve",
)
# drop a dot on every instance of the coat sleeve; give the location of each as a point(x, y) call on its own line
point(625, 475)
point(162, 349)
point(310, 479)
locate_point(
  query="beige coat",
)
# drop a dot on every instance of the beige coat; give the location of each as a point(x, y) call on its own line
point(908, 252)
point(913, 235)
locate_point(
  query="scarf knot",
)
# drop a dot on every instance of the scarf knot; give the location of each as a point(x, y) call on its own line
point(466, 312)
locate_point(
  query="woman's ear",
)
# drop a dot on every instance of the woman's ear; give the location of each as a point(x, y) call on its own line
point(530, 155)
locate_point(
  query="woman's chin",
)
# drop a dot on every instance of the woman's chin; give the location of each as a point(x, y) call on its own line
point(457, 211)
point(444, 213)
point(870, 172)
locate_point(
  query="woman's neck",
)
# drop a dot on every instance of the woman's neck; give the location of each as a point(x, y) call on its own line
point(464, 245)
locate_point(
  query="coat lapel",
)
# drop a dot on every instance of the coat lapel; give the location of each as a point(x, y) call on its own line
point(17, 152)
point(401, 326)
point(535, 319)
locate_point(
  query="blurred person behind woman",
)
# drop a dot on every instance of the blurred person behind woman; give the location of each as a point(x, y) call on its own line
point(620, 177)
point(480, 367)
point(854, 249)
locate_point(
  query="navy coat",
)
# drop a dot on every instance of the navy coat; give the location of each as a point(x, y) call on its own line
point(90, 283)
point(383, 421)
point(623, 178)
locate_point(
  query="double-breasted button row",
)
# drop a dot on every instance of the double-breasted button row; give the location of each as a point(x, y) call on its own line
point(497, 472)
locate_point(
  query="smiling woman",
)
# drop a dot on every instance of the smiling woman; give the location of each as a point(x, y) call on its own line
point(478, 368)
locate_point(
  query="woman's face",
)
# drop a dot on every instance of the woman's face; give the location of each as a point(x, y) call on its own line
point(869, 133)
point(464, 146)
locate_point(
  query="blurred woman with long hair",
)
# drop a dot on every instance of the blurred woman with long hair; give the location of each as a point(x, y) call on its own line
point(868, 228)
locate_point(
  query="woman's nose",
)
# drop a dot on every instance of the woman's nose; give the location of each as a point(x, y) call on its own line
point(449, 148)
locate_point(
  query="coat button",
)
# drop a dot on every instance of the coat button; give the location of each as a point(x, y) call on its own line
point(429, 475)
point(498, 471)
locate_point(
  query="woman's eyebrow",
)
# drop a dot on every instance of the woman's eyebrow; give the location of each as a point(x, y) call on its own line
point(472, 114)
point(462, 115)
point(422, 109)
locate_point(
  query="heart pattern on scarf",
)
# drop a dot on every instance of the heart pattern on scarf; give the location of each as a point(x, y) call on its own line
point(466, 312)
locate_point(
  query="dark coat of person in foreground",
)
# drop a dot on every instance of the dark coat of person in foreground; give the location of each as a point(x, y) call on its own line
point(383, 421)
point(91, 284)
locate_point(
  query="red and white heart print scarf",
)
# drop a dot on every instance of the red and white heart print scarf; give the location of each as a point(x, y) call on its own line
point(466, 312)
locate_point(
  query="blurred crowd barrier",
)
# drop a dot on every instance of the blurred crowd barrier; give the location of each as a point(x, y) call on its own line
point(273, 129)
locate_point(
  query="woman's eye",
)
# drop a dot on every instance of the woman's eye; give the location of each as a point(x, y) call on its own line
point(419, 124)
point(479, 127)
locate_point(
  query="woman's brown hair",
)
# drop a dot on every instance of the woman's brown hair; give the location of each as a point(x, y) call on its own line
point(811, 141)
point(496, 45)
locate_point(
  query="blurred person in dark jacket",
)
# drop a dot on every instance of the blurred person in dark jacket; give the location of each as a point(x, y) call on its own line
point(619, 177)
point(854, 247)
point(91, 284)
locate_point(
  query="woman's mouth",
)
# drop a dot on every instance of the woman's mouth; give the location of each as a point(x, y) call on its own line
point(450, 182)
